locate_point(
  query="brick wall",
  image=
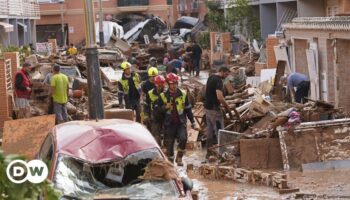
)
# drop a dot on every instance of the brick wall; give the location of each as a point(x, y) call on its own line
point(14, 57)
point(15, 65)
point(300, 56)
point(4, 110)
point(270, 53)
point(343, 52)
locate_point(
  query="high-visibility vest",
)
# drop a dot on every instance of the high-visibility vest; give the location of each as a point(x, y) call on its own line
point(125, 83)
point(153, 97)
point(180, 102)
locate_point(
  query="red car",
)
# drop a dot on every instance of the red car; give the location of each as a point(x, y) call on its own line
point(89, 158)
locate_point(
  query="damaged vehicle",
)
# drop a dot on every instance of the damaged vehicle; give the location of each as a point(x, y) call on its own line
point(110, 159)
point(150, 27)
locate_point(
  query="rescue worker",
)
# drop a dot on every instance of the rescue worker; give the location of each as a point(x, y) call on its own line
point(146, 86)
point(129, 88)
point(177, 108)
point(153, 109)
point(149, 84)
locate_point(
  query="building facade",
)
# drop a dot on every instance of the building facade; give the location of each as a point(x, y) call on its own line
point(73, 16)
point(17, 22)
point(193, 8)
point(273, 13)
point(328, 41)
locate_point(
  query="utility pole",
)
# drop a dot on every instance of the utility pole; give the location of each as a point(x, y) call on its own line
point(102, 42)
point(63, 40)
point(96, 109)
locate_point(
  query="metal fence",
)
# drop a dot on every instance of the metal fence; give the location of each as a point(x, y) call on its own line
point(19, 8)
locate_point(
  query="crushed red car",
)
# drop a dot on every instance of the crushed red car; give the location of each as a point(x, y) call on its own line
point(90, 159)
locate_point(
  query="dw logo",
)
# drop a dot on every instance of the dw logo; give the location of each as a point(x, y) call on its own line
point(19, 171)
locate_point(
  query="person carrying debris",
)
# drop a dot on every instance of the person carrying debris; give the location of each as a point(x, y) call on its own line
point(146, 86)
point(177, 108)
point(59, 91)
point(72, 51)
point(23, 91)
point(129, 89)
point(153, 109)
point(214, 97)
point(301, 82)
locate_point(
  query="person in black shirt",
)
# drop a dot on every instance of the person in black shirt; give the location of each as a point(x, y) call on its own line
point(196, 57)
point(213, 99)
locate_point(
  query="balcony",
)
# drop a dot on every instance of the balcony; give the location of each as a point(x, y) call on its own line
point(123, 3)
point(19, 9)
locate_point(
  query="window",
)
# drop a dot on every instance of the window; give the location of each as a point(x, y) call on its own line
point(332, 11)
point(46, 150)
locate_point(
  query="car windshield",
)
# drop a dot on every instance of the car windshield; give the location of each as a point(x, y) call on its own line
point(79, 179)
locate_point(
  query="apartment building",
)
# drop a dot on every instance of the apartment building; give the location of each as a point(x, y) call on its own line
point(193, 8)
point(49, 26)
point(273, 13)
point(17, 22)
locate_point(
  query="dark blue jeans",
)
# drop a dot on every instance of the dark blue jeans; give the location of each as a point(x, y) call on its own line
point(196, 67)
point(172, 132)
point(302, 92)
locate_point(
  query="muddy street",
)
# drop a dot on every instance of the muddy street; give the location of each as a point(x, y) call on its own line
point(328, 184)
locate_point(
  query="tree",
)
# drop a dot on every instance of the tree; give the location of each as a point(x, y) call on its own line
point(215, 17)
point(26, 190)
point(243, 19)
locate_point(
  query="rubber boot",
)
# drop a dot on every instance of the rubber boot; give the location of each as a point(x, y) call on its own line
point(178, 159)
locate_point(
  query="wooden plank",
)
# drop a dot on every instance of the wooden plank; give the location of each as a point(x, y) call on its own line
point(311, 64)
point(281, 67)
point(25, 136)
point(288, 190)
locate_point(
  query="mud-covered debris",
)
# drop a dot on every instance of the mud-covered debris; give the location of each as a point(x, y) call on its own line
point(159, 170)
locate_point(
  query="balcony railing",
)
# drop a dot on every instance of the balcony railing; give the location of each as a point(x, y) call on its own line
point(122, 3)
point(19, 8)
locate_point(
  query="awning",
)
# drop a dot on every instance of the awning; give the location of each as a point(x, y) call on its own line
point(23, 25)
point(8, 27)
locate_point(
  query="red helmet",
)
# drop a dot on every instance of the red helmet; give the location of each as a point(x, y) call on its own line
point(159, 80)
point(172, 78)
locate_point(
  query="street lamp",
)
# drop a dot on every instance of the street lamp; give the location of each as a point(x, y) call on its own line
point(63, 41)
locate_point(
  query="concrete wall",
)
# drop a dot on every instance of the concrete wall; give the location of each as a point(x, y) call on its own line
point(311, 8)
point(268, 19)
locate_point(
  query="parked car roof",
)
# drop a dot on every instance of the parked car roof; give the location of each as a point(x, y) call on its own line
point(102, 141)
point(186, 22)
